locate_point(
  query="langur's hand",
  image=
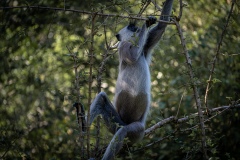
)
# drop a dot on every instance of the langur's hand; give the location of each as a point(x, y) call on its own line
point(150, 21)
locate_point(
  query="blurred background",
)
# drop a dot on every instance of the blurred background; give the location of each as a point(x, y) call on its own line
point(38, 88)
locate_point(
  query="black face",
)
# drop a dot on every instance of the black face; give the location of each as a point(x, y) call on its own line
point(118, 37)
point(132, 27)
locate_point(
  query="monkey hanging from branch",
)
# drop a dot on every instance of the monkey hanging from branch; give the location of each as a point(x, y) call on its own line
point(127, 115)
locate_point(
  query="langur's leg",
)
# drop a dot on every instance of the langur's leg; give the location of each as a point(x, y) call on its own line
point(134, 131)
point(102, 105)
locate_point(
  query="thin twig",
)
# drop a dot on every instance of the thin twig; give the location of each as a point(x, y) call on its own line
point(143, 8)
point(208, 119)
point(156, 142)
point(216, 55)
point(180, 103)
point(99, 83)
point(78, 109)
point(180, 10)
point(155, 4)
point(91, 55)
point(8, 149)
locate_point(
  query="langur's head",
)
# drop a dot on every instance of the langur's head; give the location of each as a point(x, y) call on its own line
point(128, 33)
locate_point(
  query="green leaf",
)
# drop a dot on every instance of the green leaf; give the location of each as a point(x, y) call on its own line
point(215, 80)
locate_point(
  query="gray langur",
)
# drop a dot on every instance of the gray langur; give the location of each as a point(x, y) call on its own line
point(127, 115)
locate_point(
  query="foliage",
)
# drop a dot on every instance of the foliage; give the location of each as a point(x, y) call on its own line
point(38, 88)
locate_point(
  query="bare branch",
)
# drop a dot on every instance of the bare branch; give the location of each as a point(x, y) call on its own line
point(91, 55)
point(172, 119)
point(82, 12)
point(216, 55)
point(184, 119)
point(180, 103)
point(194, 86)
point(156, 142)
point(181, 5)
point(159, 124)
point(79, 107)
point(143, 8)
point(106, 56)
point(155, 4)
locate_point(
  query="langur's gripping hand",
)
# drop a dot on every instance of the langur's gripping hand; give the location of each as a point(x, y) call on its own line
point(150, 21)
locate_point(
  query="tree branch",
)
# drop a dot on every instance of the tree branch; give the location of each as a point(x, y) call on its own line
point(172, 119)
point(194, 87)
point(155, 4)
point(143, 8)
point(184, 119)
point(91, 55)
point(216, 55)
point(159, 124)
point(79, 107)
point(80, 11)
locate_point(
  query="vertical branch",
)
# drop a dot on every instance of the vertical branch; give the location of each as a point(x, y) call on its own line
point(216, 56)
point(180, 10)
point(194, 85)
point(156, 6)
point(79, 109)
point(91, 55)
point(195, 90)
point(180, 103)
point(106, 56)
point(81, 136)
point(99, 87)
point(143, 8)
point(98, 118)
point(181, 5)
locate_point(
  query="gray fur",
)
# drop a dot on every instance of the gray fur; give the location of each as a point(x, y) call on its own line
point(126, 117)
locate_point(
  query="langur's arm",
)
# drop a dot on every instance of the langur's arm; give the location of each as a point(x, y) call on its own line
point(131, 50)
point(156, 33)
point(142, 39)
